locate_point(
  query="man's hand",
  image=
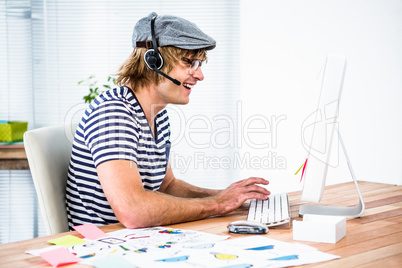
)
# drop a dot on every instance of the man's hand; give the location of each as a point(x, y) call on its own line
point(237, 193)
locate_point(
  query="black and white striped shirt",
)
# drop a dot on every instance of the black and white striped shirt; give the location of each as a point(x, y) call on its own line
point(113, 127)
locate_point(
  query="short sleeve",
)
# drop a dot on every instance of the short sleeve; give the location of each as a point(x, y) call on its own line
point(111, 132)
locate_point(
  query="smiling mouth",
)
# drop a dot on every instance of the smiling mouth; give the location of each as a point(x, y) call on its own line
point(188, 86)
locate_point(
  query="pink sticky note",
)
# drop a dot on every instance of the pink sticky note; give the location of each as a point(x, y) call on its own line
point(305, 164)
point(59, 256)
point(89, 231)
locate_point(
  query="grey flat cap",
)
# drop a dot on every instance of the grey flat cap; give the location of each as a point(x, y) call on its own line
point(171, 31)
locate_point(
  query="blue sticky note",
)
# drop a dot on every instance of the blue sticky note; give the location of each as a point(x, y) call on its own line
point(112, 262)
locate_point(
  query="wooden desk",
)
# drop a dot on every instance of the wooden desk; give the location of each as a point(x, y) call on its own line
point(13, 157)
point(372, 240)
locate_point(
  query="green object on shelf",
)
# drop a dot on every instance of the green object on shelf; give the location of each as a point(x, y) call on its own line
point(12, 130)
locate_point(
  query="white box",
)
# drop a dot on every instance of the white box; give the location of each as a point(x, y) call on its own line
point(320, 228)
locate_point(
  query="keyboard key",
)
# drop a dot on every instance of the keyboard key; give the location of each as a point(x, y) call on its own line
point(272, 212)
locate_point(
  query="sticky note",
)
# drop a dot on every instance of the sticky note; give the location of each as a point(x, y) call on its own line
point(111, 262)
point(37, 252)
point(300, 168)
point(89, 231)
point(304, 167)
point(67, 241)
point(59, 256)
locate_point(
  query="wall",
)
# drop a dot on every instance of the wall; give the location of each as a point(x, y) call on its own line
point(284, 46)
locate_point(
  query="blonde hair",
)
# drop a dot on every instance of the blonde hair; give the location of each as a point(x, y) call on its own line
point(135, 72)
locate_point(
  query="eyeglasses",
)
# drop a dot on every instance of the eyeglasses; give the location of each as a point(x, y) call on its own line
point(194, 64)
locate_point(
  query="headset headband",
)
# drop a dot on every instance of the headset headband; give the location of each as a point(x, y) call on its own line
point(153, 35)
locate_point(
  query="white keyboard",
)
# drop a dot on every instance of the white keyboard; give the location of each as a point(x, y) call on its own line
point(272, 212)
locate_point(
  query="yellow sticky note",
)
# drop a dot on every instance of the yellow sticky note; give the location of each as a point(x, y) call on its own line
point(300, 168)
point(67, 241)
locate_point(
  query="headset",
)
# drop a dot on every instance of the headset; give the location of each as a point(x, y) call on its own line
point(153, 59)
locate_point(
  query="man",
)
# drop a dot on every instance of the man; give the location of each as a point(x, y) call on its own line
point(119, 169)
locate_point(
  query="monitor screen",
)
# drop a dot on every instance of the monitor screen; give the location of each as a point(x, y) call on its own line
point(319, 130)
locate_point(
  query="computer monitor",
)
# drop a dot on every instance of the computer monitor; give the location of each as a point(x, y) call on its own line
point(323, 126)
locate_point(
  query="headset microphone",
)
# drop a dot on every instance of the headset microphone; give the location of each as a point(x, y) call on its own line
point(153, 58)
point(177, 82)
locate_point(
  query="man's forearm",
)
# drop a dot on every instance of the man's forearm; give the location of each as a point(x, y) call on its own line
point(148, 208)
point(181, 188)
point(154, 208)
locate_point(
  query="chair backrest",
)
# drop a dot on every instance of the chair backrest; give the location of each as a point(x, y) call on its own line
point(48, 151)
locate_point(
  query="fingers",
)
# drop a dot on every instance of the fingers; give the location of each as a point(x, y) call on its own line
point(250, 188)
point(254, 195)
point(253, 180)
point(258, 189)
point(237, 193)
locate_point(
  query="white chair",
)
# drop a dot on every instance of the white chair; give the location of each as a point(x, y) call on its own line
point(48, 151)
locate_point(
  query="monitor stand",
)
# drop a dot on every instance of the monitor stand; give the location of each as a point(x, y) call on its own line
point(350, 212)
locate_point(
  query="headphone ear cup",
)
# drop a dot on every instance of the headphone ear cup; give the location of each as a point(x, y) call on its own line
point(153, 60)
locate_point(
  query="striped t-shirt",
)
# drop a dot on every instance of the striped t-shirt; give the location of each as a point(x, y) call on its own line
point(113, 127)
